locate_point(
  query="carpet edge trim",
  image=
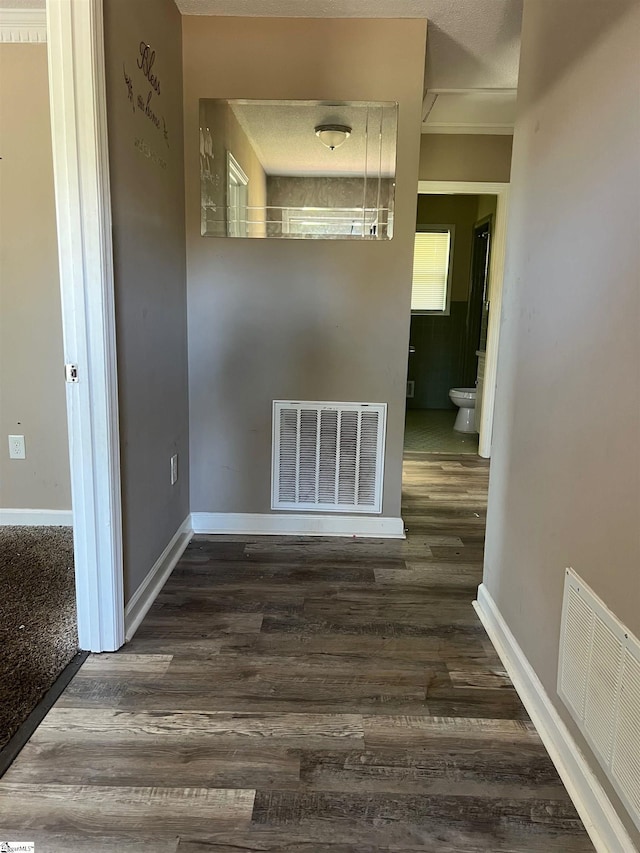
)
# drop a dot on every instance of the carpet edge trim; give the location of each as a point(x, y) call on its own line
point(22, 735)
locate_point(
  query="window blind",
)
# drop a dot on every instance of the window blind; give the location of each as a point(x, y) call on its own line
point(430, 271)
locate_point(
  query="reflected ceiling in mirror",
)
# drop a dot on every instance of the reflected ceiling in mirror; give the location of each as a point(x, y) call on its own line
point(297, 169)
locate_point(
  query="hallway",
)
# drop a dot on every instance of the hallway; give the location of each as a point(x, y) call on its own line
point(304, 696)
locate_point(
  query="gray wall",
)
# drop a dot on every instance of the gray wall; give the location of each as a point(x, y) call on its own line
point(147, 188)
point(32, 396)
point(438, 363)
point(565, 471)
point(299, 319)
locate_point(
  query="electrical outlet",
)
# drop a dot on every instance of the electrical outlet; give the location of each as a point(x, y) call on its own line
point(16, 447)
point(174, 469)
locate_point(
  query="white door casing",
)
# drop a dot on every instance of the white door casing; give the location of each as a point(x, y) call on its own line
point(83, 205)
point(496, 281)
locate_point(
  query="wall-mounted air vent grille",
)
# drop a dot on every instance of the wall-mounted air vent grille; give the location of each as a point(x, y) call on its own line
point(328, 456)
point(599, 681)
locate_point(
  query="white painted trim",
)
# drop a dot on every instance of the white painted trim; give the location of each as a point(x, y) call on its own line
point(596, 811)
point(291, 524)
point(462, 187)
point(482, 90)
point(83, 206)
point(496, 285)
point(496, 289)
point(142, 599)
point(473, 129)
point(36, 517)
point(23, 26)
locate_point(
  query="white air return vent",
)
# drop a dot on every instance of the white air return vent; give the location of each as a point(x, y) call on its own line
point(328, 456)
point(599, 681)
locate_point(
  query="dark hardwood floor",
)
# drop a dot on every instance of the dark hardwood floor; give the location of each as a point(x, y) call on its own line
point(303, 696)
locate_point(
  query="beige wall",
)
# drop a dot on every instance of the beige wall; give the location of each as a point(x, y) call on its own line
point(565, 472)
point(465, 157)
point(243, 151)
point(147, 194)
point(228, 135)
point(32, 393)
point(295, 319)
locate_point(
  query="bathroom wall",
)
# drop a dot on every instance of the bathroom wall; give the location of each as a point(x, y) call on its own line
point(465, 157)
point(32, 390)
point(565, 466)
point(295, 319)
point(438, 363)
point(147, 196)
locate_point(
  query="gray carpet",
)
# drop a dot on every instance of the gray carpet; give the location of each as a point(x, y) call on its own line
point(38, 626)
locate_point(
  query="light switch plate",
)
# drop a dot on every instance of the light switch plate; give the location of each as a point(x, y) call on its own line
point(174, 469)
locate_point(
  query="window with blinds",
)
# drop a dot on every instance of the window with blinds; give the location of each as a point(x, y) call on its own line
point(432, 271)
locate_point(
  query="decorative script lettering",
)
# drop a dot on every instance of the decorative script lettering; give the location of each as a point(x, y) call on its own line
point(145, 149)
point(145, 64)
point(145, 100)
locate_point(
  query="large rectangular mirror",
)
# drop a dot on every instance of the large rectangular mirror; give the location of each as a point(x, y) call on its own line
point(297, 169)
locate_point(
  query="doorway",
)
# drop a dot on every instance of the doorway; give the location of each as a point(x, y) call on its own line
point(494, 289)
point(449, 303)
point(38, 629)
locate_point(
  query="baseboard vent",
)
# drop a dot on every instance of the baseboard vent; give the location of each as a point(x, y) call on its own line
point(328, 456)
point(599, 682)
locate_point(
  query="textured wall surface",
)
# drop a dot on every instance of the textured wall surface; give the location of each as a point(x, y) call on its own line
point(147, 188)
point(565, 471)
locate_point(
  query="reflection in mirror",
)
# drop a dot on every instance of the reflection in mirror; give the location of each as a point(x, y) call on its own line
point(297, 169)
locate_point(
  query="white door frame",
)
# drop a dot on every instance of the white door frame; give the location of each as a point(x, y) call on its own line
point(77, 90)
point(496, 282)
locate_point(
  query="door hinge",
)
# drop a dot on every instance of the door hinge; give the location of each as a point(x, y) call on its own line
point(71, 372)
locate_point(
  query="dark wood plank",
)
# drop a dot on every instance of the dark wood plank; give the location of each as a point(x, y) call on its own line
point(392, 820)
point(98, 808)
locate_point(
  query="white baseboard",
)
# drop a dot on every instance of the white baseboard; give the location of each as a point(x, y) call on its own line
point(271, 524)
point(606, 830)
point(147, 592)
point(36, 517)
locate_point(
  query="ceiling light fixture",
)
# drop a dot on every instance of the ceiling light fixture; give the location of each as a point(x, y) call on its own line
point(333, 135)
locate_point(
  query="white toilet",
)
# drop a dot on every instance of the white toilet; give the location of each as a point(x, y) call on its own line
point(465, 399)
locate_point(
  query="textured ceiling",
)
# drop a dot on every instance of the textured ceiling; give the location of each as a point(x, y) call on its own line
point(471, 43)
point(282, 135)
